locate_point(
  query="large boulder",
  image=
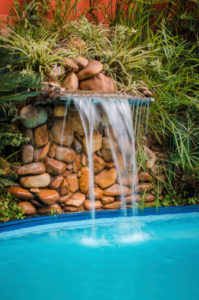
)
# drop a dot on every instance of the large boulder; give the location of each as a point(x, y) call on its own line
point(98, 83)
point(93, 68)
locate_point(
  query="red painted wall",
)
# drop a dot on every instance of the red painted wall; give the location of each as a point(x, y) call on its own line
point(82, 6)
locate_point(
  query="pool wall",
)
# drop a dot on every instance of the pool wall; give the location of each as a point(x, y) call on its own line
point(37, 221)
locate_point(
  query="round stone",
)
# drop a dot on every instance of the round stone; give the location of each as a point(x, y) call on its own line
point(33, 116)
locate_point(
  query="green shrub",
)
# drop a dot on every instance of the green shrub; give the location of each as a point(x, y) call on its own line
point(9, 209)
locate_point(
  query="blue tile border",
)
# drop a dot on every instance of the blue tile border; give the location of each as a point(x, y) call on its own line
point(44, 220)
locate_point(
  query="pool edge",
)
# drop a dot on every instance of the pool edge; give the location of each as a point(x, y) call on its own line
point(44, 220)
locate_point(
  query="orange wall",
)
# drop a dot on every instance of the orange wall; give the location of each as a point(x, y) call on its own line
point(4, 9)
point(82, 5)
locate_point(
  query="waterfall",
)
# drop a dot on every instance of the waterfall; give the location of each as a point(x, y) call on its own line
point(118, 119)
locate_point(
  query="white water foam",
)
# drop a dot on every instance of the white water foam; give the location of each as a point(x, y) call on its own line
point(137, 237)
point(94, 242)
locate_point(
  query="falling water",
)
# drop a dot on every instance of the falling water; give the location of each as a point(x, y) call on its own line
point(89, 117)
point(120, 121)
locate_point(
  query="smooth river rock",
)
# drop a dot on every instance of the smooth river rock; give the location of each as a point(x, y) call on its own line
point(72, 182)
point(65, 154)
point(113, 205)
point(98, 83)
point(76, 200)
point(36, 181)
point(71, 82)
point(70, 64)
point(114, 190)
point(27, 208)
point(97, 142)
point(98, 193)
point(55, 208)
point(145, 176)
point(77, 164)
point(64, 188)
point(75, 122)
point(82, 62)
point(56, 182)
point(52, 150)
point(106, 150)
point(62, 132)
point(88, 204)
point(20, 193)
point(98, 164)
point(54, 167)
point(144, 187)
point(32, 169)
point(27, 154)
point(106, 178)
point(84, 180)
point(41, 153)
point(41, 135)
point(60, 111)
point(107, 199)
point(77, 146)
point(48, 197)
point(33, 116)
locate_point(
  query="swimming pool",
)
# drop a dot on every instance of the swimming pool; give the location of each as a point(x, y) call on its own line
point(66, 261)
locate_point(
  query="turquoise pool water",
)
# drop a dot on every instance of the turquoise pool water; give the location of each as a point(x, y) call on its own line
point(64, 261)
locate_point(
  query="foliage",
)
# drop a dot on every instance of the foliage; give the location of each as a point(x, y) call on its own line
point(34, 56)
point(9, 209)
point(11, 136)
point(16, 84)
point(143, 44)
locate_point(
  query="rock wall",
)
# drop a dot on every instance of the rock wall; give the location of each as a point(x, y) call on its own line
point(54, 173)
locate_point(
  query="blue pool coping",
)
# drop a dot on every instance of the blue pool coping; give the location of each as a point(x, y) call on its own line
point(80, 216)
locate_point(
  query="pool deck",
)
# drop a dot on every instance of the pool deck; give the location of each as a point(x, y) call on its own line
point(44, 220)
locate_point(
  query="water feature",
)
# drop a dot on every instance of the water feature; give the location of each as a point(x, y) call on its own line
point(120, 119)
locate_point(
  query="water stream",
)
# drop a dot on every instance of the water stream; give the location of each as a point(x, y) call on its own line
point(120, 120)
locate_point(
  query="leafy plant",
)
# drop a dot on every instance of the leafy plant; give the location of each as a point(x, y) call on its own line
point(9, 210)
